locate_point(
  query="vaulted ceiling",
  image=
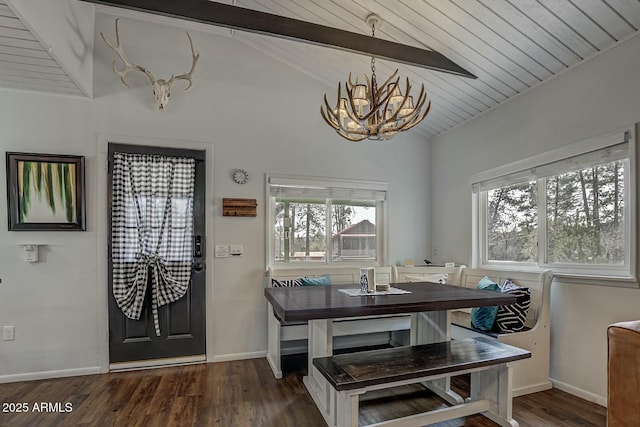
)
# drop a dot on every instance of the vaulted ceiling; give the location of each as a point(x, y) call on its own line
point(26, 61)
point(512, 46)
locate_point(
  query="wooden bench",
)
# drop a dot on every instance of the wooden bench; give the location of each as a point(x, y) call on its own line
point(532, 375)
point(291, 338)
point(353, 374)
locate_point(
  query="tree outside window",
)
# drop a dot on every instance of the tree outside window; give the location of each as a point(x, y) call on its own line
point(300, 230)
point(513, 223)
point(584, 214)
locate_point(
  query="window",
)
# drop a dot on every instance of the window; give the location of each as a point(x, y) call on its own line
point(571, 214)
point(325, 221)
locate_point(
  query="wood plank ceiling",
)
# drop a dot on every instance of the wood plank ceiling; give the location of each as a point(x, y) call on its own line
point(511, 45)
point(25, 62)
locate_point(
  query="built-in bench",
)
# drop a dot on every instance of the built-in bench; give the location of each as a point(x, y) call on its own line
point(531, 375)
point(286, 337)
point(427, 273)
point(353, 374)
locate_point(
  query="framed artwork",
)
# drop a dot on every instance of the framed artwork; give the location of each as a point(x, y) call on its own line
point(45, 192)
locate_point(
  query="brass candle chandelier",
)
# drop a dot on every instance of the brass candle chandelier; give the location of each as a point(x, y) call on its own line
point(375, 112)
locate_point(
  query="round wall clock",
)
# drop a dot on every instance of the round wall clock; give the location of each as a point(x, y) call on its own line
point(240, 176)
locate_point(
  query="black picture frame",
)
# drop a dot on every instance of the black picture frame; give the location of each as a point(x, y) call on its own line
point(45, 192)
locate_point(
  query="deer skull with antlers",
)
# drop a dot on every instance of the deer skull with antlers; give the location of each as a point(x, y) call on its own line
point(161, 87)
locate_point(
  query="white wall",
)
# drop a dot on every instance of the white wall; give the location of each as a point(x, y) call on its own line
point(248, 111)
point(597, 97)
point(52, 303)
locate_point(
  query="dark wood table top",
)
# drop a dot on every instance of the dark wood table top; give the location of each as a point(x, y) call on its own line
point(294, 304)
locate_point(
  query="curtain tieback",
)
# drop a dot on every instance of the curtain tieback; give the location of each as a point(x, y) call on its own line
point(160, 274)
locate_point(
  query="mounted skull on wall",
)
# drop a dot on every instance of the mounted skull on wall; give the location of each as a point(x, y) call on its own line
point(161, 87)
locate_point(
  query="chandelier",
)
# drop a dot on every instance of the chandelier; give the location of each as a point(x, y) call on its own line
point(374, 112)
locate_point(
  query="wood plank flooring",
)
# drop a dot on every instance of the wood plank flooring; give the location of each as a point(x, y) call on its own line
point(243, 394)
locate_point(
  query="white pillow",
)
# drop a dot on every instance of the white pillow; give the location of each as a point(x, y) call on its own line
point(437, 278)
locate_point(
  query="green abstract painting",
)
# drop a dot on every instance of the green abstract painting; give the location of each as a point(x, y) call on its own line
point(47, 191)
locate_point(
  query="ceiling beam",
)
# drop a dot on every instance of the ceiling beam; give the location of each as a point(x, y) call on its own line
point(239, 18)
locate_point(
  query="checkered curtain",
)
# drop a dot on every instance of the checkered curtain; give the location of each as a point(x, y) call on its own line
point(152, 227)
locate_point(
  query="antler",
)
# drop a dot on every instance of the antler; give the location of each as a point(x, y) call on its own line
point(128, 66)
point(187, 76)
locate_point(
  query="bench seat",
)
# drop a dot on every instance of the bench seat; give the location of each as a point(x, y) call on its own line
point(353, 374)
point(531, 375)
point(462, 319)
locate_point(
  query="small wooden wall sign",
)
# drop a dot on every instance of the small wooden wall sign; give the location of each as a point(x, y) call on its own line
point(239, 207)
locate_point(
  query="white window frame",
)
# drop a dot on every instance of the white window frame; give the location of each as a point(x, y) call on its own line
point(516, 172)
point(326, 183)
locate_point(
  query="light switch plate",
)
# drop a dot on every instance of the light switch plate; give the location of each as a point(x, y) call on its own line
point(30, 253)
point(221, 251)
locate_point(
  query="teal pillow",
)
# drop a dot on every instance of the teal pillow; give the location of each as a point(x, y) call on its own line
point(316, 281)
point(483, 318)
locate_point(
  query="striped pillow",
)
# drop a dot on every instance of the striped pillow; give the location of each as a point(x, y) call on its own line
point(510, 318)
point(285, 283)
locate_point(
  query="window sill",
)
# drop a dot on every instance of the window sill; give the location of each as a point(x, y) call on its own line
point(595, 280)
point(571, 278)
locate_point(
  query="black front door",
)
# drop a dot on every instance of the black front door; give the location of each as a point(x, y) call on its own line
point(182, 323)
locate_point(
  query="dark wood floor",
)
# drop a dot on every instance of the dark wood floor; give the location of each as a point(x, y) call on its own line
point(242, 394)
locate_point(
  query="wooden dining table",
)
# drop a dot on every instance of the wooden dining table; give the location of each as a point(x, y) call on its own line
point(427, 303)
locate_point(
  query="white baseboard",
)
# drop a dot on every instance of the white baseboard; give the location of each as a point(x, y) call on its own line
point(119, 367)
point(531, 389)
point(237, 356)
point(578, 392)
point(45, 375)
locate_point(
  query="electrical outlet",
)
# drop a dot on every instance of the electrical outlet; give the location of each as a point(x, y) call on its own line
point(236, 250)
point(8, 333)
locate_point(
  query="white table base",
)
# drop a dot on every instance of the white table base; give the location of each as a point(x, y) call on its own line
point(426, 328)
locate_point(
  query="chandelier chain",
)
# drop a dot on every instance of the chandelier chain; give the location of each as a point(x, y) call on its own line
point(373, 58)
